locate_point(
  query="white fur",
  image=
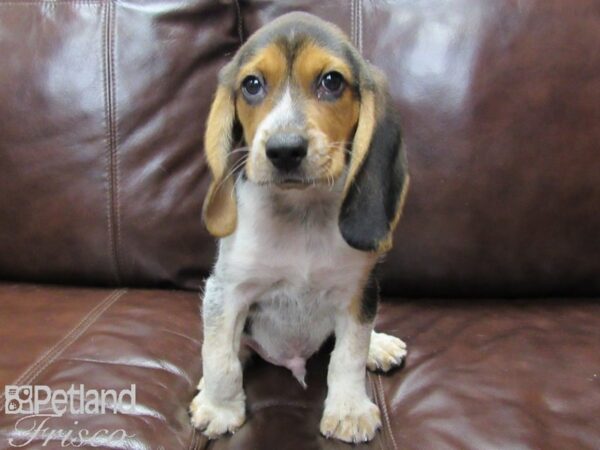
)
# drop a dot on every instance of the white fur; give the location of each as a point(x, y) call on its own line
point(288, 258)
point(281, 116)
point(385, 352)
point(303, 274)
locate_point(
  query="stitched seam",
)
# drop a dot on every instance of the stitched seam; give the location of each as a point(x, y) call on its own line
point(115, 130)
point(51, 354)
point(111, 174)
point(197, 441)
point(238, 10)
point(385, 411)
point(113, 142)
point(107, 138)
point(72, 337)
point(193, 440)
point(352, 31)
point(41, 2)
point(55, 346)
point(375, 396)
point(359, 26)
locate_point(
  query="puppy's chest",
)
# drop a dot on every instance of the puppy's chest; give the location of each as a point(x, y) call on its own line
point(298, 272)
point(289, 244)
point(298, 268)
point(305, 274)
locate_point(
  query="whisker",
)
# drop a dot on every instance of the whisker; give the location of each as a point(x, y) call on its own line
point(238, 150)
point(235, 167)
point(336, 146)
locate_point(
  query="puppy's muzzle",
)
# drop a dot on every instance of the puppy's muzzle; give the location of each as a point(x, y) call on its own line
point(286, 150)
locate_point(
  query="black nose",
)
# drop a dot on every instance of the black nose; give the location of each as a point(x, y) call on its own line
point(286, 150)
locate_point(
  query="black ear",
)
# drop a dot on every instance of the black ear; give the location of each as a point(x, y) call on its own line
point(375, 196)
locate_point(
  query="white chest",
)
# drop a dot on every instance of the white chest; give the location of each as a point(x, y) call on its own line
point(290, 254)
point(293, 242)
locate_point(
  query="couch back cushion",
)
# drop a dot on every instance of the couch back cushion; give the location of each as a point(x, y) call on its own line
point(102, 110)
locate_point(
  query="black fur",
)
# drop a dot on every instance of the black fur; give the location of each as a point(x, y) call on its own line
point(305, 28)
point(370, 300)
point(372, 200)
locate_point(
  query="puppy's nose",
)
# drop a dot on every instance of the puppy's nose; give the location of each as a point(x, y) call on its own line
point(286, 150)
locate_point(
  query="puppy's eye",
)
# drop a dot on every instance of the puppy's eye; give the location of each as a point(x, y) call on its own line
point(252, 88)
point(331, 85)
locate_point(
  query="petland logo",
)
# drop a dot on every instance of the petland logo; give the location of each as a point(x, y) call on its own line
point(39, 405)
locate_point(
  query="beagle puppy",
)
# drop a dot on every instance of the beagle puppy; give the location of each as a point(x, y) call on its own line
point(304, 210)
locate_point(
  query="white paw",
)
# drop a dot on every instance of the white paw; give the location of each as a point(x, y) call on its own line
point(216, 419)
point(385, 352)
point(350, 420)
point(200, 384)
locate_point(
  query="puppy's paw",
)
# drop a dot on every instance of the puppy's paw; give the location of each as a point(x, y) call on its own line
point(350, 420)
point(385, 352)
point(216, 419)
point(200, 385)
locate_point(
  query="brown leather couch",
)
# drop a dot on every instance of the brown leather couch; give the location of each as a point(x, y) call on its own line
point(493, 282)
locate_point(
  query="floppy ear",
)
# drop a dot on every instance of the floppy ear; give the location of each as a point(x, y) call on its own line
point(220, 210)
point(377, 176)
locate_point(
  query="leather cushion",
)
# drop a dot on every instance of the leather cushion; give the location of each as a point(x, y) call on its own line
point(493, 375)
point(101, 124)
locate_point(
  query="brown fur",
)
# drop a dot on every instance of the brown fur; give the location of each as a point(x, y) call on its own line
point(355, 133)
point(362, 137)
point(386, 244)
point(271, 64)
point(334, 127)
point(336, 120)
point(356, 308)
point(219, 210)
point(312, 60)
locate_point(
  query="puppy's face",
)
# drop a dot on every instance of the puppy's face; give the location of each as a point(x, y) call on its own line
point(298, 106)
point(311, 110)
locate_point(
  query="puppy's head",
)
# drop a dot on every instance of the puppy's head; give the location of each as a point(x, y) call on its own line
point(310, 111)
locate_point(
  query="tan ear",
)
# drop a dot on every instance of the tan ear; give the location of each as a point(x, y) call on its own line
point(362, 137)
point(220, 210)
point(377, 176)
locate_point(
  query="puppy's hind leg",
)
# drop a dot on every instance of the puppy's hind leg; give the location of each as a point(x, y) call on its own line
point(219, 407)
point(385, 352)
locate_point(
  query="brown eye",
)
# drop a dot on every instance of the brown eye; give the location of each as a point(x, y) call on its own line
point(252, 88)
point(331, 86)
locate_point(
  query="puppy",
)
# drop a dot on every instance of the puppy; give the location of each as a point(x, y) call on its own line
point(304, 210)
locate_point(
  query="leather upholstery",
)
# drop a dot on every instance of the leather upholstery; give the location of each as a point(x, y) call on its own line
point(102, 109)
point(499, 104)
point(102, 113)
point(493, 375)
point(101, 121)
point(109, 339)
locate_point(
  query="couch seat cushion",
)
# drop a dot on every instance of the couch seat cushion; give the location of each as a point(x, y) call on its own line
point(479, 374)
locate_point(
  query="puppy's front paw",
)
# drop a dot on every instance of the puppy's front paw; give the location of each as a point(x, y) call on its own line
point(385, 352)
point(350, 420)
point(216, 419)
